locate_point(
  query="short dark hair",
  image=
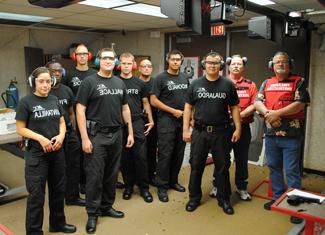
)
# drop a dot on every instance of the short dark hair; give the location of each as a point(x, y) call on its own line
point(174, 52)
point(213, 54)
point(47, 65)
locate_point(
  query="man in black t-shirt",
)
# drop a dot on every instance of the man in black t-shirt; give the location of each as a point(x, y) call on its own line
point(73, 79)
point(134, 160)
point(102, 111)
point(168, 96)
point(71, 146)
point(210, 97)
point(145, 69)
point(75, 76)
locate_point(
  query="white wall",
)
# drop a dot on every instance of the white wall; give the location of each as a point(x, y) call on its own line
point(140, 43)
point(12, 62)
point(315, 129)
point(14, 39)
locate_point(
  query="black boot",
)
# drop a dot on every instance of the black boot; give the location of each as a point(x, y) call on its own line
point(91, 224)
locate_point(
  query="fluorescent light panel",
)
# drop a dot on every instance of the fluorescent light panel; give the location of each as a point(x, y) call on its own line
point(143, 9)
point(106, 3)
point(295, 14)
point(22, 17)
point(262, 2)
point(320, 12)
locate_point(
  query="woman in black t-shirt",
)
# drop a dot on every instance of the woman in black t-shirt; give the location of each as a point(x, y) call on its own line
point(40, 120)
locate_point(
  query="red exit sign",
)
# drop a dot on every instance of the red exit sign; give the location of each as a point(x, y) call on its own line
point(218, 30)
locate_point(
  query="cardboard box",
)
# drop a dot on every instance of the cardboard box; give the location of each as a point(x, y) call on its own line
point(7, 121)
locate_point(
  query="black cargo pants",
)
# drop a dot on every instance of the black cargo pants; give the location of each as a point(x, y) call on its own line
point(39, 169)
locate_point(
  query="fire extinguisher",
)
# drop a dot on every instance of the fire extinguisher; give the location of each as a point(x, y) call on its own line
point(11, 97)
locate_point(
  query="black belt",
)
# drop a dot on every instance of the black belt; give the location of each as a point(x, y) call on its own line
point(94, 127)
point(105, 129)
point(211, 128)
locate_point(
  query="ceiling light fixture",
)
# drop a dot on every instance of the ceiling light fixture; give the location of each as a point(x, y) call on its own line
point(106, 3)
point(22, 17)
point(320, 12)
point(262, 2)
point(295, 14)
point(144, 9)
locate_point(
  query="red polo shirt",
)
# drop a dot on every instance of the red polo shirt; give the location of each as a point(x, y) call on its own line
point(246, 91)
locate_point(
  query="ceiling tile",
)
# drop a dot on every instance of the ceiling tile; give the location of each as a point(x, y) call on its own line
point(32, 10)
point(84, 23)
point(89, 16)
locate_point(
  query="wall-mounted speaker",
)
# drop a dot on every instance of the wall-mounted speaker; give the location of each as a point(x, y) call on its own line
point(259, 27)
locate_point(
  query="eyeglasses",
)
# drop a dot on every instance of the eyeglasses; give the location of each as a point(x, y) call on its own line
point(107, 58)
point(146, 66)
point(82, 54)
point(56, 70)
point(41, 81)
point(212, 62)
point(281, 62)
point(175, 59)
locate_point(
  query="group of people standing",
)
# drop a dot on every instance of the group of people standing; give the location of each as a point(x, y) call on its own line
point(121, 122)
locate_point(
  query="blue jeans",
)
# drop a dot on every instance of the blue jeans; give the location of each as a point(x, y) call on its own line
point(283, 152)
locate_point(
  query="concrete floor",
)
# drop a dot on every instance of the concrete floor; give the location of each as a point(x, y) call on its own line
point(160, 218)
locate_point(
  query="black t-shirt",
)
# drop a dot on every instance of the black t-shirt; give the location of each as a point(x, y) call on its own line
point(65, 97)
point(136, 90)
point(42, 115)
point(170, 89)
point(104, 98)
point(148, 86)
point(211, 100)
point(74, 78)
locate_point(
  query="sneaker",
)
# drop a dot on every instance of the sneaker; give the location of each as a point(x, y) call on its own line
point(244, 195)
point(295, 220)
point(267, 206)
point(213, 192)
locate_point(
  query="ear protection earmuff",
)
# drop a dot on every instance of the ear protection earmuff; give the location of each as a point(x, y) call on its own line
point(97, 62)
point(74, 56)
point(134, 66)
point(31, 81)
point(244, 59)
point(64, 72)
point(221, 64)
point(291, 62)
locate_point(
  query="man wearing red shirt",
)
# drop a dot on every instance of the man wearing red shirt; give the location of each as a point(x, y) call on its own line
point(281, 100)
point(246, 91)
